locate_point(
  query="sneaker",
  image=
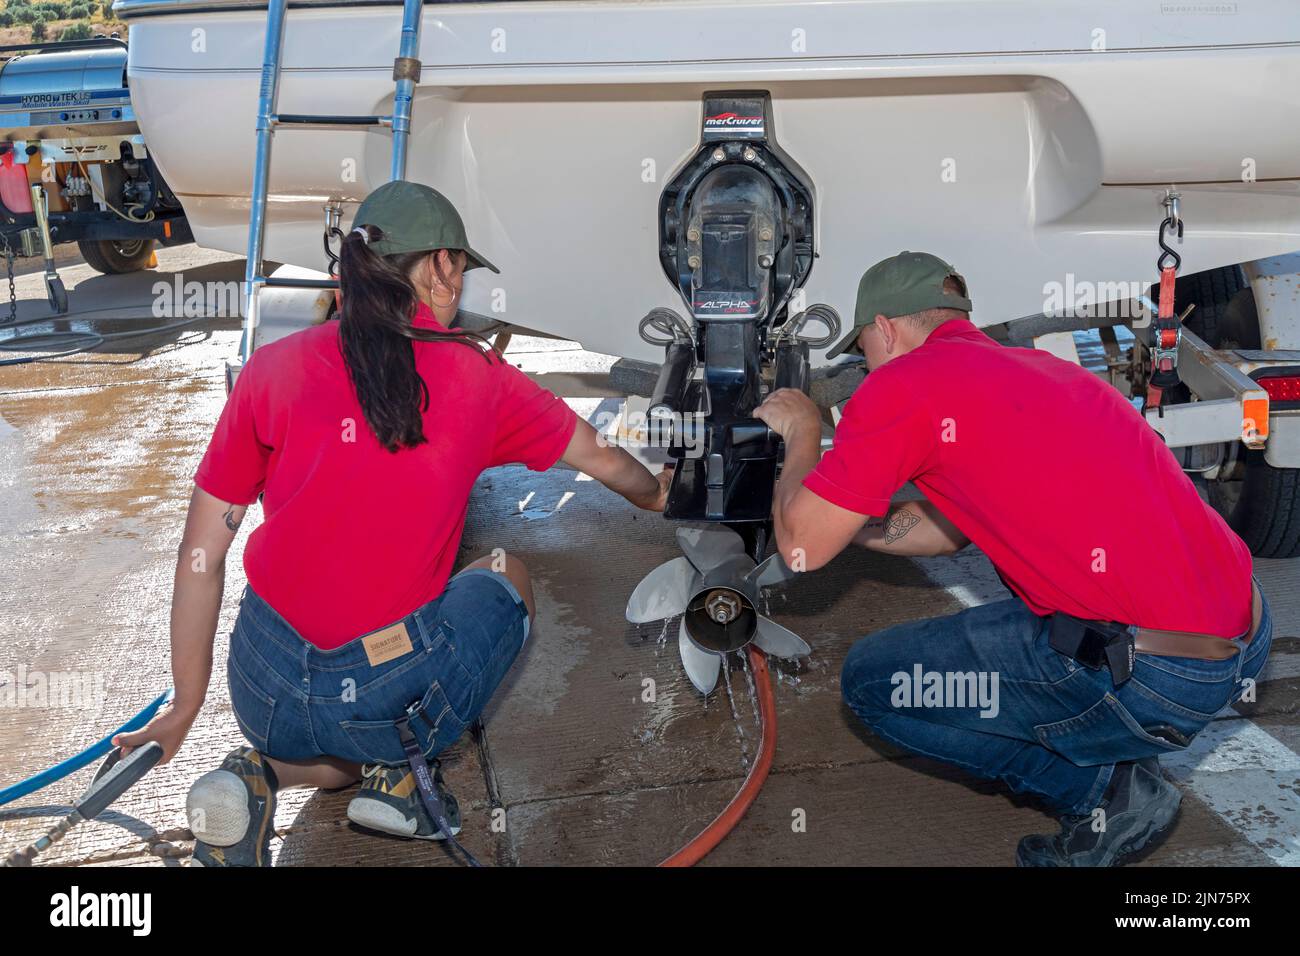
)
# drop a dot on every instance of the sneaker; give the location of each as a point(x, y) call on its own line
point(389, 802)
point(1140, 807)
point(232, 810)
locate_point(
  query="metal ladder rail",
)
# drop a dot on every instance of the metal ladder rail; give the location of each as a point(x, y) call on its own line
point(406, 74)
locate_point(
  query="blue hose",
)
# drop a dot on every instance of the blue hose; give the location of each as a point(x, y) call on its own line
point(86, 757)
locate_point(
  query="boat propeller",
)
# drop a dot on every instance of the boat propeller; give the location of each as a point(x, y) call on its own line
point(715, 587)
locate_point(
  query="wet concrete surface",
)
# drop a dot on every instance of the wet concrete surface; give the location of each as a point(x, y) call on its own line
point(576, 764)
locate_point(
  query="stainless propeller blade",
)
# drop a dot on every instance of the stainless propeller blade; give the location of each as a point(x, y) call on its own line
point(716, 567)
point(663, 592)
point(709, 546)
point(771, 572)
point(779, 641)
point(702, 667)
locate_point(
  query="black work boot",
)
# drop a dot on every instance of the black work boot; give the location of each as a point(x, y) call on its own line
point(1137, 811)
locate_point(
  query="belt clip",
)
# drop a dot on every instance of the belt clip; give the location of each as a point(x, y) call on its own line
point(1121, 654)
point(404, 731)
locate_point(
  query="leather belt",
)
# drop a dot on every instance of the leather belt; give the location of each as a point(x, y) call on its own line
point(1205, 647)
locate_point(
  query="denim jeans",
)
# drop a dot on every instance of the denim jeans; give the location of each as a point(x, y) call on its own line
point(294, 701)
point(1045, 725)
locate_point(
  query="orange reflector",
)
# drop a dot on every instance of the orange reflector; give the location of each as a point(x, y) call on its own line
point(167, 229)
point(1254, 421)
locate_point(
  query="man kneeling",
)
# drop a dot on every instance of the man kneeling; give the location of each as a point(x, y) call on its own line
point(1134, 618)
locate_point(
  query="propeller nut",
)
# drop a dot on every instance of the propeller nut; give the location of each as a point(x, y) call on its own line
point(722, 606)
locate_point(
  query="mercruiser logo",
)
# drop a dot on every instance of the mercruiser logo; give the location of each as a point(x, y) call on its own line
point(733, 121)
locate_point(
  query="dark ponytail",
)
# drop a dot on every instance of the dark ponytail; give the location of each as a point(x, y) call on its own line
point(375, 332)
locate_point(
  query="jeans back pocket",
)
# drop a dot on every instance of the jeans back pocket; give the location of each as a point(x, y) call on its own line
point(436, 727)
point(1104, 733)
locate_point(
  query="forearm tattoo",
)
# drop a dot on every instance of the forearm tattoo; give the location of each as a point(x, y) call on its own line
point(232, 521)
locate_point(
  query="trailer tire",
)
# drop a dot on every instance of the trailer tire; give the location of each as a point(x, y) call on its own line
point(1239, 322)
point(116, 256)
point(1263, 506)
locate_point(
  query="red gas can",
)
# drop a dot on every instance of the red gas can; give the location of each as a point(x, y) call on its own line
point(14, 191)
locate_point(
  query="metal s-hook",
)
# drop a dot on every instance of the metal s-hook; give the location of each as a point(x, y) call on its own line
point(1165, 249)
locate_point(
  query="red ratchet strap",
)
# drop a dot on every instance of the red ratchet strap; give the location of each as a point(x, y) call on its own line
point(1167, 329)
point(1164, 362)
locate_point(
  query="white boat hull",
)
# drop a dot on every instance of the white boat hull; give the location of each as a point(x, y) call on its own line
point(1008, 136)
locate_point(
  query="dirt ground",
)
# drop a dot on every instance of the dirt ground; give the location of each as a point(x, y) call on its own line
point(574, 767)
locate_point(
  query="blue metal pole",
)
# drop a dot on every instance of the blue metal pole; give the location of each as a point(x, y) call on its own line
point(404, 97)
point(266, 99)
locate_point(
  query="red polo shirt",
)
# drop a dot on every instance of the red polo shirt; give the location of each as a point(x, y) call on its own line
point(1052, 473)
point(356, 537)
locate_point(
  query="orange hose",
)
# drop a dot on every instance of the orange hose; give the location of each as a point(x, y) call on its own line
point(726, 821)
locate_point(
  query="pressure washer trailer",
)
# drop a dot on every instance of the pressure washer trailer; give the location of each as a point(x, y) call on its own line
point(73, 163)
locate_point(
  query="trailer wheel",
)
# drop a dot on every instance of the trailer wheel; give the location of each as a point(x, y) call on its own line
point(1260, 503)
point(1212, 291)
point(1263, 507)
point(116, 256)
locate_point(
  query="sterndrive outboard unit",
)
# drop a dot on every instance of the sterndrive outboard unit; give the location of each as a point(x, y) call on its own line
point(736, 240)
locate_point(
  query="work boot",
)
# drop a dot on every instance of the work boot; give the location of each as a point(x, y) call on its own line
point(1139, 809)
point(231, 811)
point(389, 802)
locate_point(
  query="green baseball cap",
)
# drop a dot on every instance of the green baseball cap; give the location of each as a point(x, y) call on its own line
point(415, 218)
point(904, 284)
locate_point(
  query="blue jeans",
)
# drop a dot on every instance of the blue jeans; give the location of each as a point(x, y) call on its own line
point(1006, 706)
point(294, 701)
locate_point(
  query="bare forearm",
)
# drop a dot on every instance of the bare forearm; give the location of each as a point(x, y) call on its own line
point(621, 473)
point(802, 452)
point(210, 526)
point(612, 466)
point(913, 529)
point(196, 606)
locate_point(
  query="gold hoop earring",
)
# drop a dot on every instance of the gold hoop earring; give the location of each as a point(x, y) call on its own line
point(433, 296)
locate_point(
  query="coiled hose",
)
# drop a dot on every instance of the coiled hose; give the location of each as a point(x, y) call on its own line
point(71, 341)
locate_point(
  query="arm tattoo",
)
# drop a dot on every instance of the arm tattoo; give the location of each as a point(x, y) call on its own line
point(232, 523)
point(898, 523)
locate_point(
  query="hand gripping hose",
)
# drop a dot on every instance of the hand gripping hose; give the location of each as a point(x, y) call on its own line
point(86, 757)
point(726, 821)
